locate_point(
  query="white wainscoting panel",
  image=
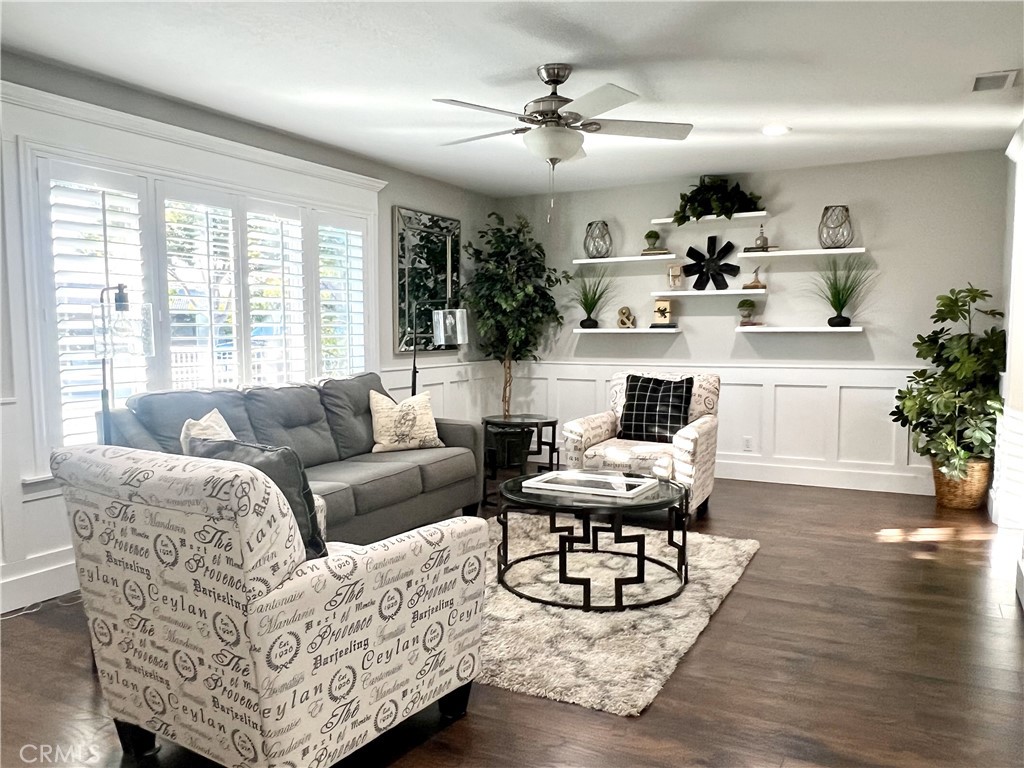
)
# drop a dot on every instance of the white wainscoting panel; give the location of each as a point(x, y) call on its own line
point(1006, 504)
point(800, 432)
point(741, 419)
point(867, 433)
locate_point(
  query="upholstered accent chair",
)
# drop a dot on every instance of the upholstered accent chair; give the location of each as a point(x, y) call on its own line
point(592, 442)
point(211, 629)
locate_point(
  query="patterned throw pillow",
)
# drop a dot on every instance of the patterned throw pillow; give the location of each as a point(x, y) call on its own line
point(654, 409)
point(403, 426)
point(211, 427)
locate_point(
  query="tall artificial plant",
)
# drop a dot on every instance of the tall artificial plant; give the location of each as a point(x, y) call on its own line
point(952, 406)
point(843, 282)
point(509, 294)
point(591, 292)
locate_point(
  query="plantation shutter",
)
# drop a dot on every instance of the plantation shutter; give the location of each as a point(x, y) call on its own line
point(202, 291)
point(277, 315)
point(96, 241)
point(342, 312)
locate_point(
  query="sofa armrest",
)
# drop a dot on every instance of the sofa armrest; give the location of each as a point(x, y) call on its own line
point(463, 434)
point(372, 634)
point(580, 434)
point(694, 448)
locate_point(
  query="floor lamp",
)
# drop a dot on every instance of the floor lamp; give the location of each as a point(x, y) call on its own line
point(127, 330)
point(451, 328)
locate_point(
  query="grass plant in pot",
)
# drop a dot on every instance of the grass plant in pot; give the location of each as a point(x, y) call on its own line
point(841, 282)
point(951, 407)
point(590, 294)
point(509, 294)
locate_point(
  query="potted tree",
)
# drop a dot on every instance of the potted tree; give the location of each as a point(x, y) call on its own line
point(590, 293)
point(840, 284)
point(509, 294)
point(952, 406)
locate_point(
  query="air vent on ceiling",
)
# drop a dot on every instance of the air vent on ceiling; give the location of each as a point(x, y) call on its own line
point(997, 81)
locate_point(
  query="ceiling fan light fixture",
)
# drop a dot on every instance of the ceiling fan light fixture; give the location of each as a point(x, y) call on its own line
point(553, 143)
point(775, 129)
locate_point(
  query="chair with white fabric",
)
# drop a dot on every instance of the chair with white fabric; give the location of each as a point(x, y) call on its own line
point(685, 455)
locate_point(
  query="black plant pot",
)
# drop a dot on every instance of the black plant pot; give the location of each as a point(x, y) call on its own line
point(589, 322)
point(839, 321)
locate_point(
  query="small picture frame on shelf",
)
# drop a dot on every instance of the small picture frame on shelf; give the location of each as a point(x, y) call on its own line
point(675, 277)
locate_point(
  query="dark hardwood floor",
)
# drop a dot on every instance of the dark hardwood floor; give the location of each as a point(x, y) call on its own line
point(870, 629)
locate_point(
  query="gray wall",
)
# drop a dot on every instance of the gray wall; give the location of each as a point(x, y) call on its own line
point(403, 188)
point(929, 223)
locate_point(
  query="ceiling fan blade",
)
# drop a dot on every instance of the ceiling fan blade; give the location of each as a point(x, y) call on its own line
point(641, 129)
point(602, 99)
point(480, 108)
point(486, 136)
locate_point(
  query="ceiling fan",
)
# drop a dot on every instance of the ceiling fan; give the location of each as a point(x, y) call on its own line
point(555, 124)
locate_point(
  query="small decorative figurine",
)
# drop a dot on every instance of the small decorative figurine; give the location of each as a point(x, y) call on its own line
point(663, 314)
point(761, 241)
point(626, 319)
point(755, 283)
point(675, 277)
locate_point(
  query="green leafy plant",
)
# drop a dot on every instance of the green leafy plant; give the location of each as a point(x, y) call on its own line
point(590, 292)
point(952, 406)
point(509, 294)
point(652, 234)
point(841, 282)
point(746, 304)
point(714, 197)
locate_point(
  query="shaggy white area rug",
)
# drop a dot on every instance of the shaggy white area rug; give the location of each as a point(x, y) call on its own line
point(616, 661)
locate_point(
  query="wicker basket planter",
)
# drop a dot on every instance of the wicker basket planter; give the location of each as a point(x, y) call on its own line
point(968, 493)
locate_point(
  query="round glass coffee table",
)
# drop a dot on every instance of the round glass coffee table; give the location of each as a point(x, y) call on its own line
point(596, 515)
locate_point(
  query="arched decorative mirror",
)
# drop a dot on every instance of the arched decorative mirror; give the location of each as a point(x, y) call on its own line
point(426, 274)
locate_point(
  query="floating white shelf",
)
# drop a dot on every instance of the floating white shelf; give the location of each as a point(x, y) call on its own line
point(623, 259)
point(627, 330)
point(727, 292)
point(802, 252)
point(702, 219)
point(797, 329)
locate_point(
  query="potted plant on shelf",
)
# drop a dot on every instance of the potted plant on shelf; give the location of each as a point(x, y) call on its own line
point(509, 294)
point(714, 197)
point(842, 282)
point(746, 308)
point(590, 293)
point(951, 407)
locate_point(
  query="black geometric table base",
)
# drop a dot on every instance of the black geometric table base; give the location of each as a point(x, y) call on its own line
point(589, 540)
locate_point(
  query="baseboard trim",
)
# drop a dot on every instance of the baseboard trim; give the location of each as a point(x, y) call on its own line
point(918, 484)
point(44, 583)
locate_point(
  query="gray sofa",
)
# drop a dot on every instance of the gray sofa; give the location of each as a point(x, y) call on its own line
point(369, 496)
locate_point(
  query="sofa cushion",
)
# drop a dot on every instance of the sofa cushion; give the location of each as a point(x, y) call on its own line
point(438, 466)
point(292, 416)
point(164, 413)
point(374, 485)
point(621, 455)
point(338, 496)
point(347, 403)
point(655, 409)
point(283, 466)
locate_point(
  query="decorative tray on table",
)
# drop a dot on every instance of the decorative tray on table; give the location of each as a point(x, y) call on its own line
point(576, 481)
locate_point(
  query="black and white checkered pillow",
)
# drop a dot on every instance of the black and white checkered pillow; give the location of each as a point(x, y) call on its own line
point(654, 409)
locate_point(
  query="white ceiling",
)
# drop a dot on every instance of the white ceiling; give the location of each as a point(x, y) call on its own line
point(856, 81)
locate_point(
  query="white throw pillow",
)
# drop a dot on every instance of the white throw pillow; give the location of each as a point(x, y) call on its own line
point(403, 426)
point(211, 427)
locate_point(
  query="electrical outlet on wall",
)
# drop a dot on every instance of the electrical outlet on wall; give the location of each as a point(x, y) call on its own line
point(748, 443)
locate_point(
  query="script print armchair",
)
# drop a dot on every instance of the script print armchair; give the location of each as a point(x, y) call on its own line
point(592, 442)
point(210, 629)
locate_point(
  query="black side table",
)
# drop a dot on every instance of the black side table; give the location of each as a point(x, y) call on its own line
point(501, 431)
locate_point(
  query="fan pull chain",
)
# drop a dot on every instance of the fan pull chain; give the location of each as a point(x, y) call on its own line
point(551, 188)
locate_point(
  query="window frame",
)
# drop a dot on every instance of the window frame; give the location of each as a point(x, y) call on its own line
point(155, 184)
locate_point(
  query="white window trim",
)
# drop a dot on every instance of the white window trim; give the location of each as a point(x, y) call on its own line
point(39, 129)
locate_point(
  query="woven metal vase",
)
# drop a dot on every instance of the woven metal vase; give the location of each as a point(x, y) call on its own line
point(835, 229)
point(597, 242)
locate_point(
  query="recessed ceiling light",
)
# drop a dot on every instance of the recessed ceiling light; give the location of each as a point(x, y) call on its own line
point(774, 129)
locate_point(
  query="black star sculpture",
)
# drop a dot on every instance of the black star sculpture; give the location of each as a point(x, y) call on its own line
point(710, 268)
